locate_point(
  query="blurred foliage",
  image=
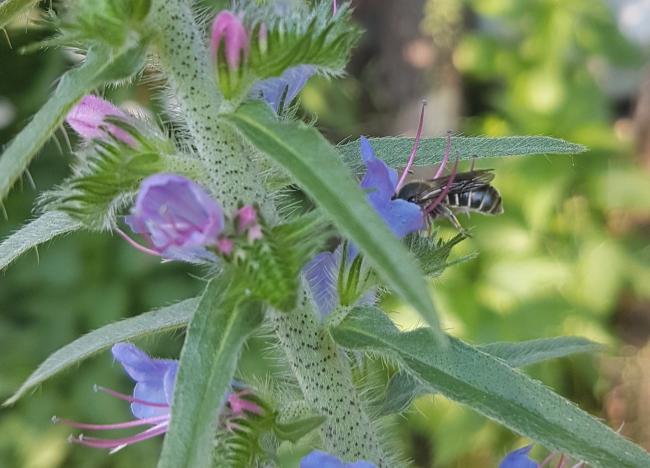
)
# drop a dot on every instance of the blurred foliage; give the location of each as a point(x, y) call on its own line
point(572, 245)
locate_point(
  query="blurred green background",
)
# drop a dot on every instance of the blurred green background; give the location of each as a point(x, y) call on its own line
point(570, 256)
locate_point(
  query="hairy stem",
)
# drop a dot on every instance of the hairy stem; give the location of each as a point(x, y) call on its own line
point(187, 65)
point(326, 382)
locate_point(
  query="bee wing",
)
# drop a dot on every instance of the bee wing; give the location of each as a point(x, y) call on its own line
point(463, 182)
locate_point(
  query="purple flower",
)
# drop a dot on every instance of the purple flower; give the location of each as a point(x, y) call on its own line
point(227, 27)
point(519, 459)
point(322, 273)
point(401, 216)
point(279, 92)
point(154, 379)
point(177, 217)
point(318, 459)
point(151, 400)
point(87, 118)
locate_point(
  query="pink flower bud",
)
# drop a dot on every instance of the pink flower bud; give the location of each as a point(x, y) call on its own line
point(88, 117)
point(255, 233)
point(229, 28)
point(225, 245)
point(246, 217)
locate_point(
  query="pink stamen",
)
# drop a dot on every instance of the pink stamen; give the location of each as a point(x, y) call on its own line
point(445, 158)
point(334, 7)
point(444, 192)
point(129, 398)
point(117, 444)
point(137, 246)
point(414, 151)
point(108, 427)
point(560, 463)
point(548, 459)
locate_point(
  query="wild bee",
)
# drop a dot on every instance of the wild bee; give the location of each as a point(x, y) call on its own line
point(443, 197)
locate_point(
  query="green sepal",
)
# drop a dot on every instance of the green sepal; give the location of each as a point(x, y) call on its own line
point(273, 264)
point(10, 9)
point(108, 174)
point(295, 430)
point(311, 37)
point(433, 254)
point(109, 22)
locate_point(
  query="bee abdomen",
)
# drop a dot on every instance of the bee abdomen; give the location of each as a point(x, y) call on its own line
point(485, 200)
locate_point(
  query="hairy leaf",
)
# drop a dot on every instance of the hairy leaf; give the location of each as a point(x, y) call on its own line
point(44, 228)
point(218, 329)
point(99, 66)
point(9, 9)
point(403, 387)
point(432, 254)
point(488, 385)
point(317, 168)
point(530, 352)
point(156, 321)
point(395, 150)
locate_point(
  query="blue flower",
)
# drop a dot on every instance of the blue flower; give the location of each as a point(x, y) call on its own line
point(318, 459)
point(178, 217)
point(154, 379)
point(280, 91)
point(151, 401)
point(380, 181)
point(519, 459)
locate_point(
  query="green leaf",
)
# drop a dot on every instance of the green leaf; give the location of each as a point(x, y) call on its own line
point(295, 430)
point(99, 66)
point(530, 352)
point(317, 168)
point(42, 229)
point(403, 387)
point(395, 151)
point(156, 321)
point(220, 325)
point(488, 385)
point(9, 9)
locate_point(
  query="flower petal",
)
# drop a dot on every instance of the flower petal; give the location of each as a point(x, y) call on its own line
point(321, 273)
point(402, 217)
point(177, 216)
point(380, 180)
point(282, 90)
point(519, 459)
point(319, 459)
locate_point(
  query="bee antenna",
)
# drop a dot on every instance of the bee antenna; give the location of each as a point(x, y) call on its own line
point(414, 151)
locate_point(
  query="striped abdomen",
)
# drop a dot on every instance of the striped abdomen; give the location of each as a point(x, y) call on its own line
point(485, 200)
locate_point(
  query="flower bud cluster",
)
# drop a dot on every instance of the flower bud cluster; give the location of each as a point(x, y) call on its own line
point(180, 220)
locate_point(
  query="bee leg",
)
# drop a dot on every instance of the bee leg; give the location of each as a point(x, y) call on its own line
point(447, 213)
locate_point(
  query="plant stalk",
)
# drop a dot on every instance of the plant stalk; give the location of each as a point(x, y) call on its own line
point(187, 65)
point(325, 379)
